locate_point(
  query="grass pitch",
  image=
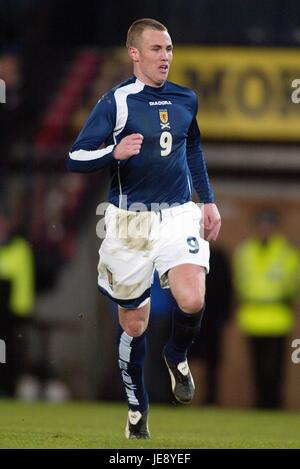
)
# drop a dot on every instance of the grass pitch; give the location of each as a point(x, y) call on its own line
point(101, 425)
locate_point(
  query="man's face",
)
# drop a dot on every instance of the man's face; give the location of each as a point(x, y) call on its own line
point(152, 57)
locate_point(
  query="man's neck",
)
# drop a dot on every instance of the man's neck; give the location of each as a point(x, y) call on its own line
point(145, 81)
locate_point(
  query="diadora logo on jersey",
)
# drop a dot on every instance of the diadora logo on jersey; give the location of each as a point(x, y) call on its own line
point(164, 119)
point(159, 103)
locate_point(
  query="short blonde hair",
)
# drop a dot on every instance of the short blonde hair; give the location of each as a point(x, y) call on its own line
point(138, 27)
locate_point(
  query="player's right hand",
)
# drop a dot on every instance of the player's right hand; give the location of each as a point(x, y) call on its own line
point(128, 147)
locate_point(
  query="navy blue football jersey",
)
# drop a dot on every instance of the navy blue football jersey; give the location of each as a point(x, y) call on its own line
point(170, 162)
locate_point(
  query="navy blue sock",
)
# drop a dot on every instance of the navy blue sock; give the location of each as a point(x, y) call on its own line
point(132, 353)
point(185, 327)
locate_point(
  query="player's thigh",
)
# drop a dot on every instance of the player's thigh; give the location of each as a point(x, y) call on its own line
point(180, 244)
point(187, 283)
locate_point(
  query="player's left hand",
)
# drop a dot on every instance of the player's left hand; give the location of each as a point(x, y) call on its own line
point(212, 221)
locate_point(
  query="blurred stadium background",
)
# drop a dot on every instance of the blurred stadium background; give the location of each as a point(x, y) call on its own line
point(57, 58)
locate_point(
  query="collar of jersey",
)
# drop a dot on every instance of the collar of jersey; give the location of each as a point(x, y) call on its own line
point(157, 89)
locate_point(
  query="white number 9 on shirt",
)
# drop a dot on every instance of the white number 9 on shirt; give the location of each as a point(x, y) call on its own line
point(166, 143)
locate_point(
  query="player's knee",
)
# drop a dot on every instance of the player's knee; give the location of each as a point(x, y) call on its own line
point(134, 321)
point(192, 303)
point(135, 329)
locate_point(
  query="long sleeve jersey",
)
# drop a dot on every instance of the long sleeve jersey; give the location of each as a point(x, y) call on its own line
point(170, 162)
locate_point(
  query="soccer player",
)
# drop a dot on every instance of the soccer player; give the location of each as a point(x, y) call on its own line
point(152, 146)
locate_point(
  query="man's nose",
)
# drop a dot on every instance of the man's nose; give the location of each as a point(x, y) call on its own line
point(164, 55)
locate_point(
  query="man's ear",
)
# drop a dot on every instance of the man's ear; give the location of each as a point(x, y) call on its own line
point(133, 54)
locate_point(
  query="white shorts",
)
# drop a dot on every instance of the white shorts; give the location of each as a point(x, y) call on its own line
point(136, 243)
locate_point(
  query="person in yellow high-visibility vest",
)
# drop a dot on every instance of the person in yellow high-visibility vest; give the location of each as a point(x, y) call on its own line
point(267, 279)
point(17, 295)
